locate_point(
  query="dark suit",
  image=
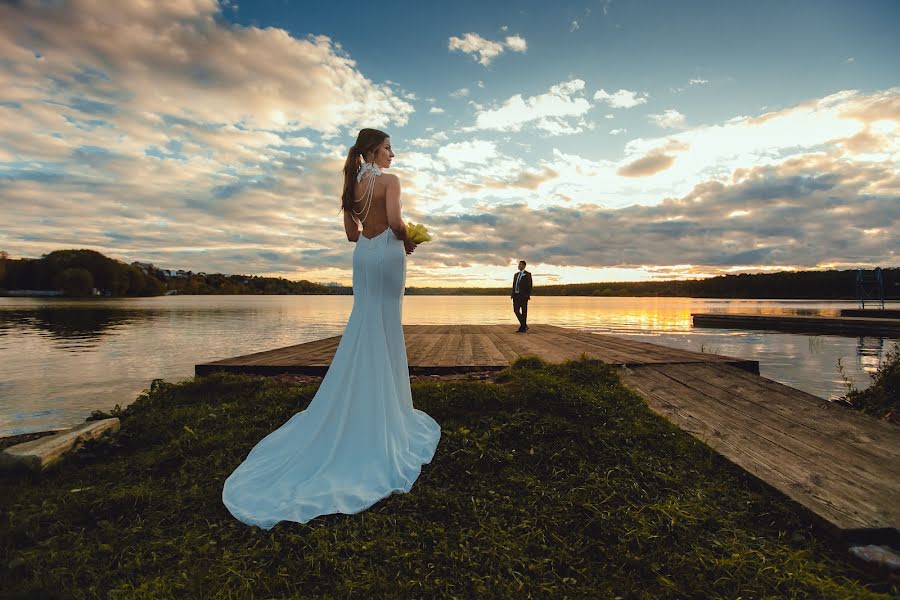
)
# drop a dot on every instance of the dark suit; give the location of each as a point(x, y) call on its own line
point(520, 299)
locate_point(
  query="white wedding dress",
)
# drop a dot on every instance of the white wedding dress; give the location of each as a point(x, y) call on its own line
point(360, 439)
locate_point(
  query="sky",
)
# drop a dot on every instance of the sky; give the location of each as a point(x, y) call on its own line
point(600, 140)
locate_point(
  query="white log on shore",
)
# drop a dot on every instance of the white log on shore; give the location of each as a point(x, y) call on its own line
point(38, 454)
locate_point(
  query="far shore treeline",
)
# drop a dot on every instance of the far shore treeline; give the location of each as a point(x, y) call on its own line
point(85, 273)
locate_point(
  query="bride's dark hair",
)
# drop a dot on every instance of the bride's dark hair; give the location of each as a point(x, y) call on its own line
point(366, 141)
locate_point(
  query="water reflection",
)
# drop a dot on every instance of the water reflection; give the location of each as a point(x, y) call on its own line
point(66, 323)
point(869, 352)
point(60, 359)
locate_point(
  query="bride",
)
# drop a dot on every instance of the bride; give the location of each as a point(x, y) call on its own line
point(360, 439)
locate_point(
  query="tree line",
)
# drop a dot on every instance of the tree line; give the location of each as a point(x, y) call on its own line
point(79, 272)
point(822, 285)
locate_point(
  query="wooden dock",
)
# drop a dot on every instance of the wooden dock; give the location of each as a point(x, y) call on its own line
point(459, 348)
point(888, 327)
point(841, 465)
point(871, 313)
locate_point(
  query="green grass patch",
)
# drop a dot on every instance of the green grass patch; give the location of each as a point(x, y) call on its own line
point(551, 481)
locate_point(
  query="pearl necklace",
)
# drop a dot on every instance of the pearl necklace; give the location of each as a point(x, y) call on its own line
point(370, 187)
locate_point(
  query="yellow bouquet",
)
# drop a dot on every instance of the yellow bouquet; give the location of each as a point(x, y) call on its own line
point(417, 233)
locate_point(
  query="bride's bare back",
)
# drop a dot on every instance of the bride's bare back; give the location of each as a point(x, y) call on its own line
point(376, 219)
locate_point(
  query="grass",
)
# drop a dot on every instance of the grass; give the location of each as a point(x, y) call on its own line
point(551, 481)
point(882, 398)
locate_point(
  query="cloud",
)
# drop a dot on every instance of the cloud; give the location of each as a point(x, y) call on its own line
point(526, 179)
point(647, 165)
point(124, 59)
point(617, 131)
point(855, 126)
point(516, 43)
point(574, 26)
point(796, 215)
point(435, 110)
point(691, 83)
point(460, 93)
point(462, 153)
point(483, 50)
point(622, 98)
point(671, 118)
point(547, 111)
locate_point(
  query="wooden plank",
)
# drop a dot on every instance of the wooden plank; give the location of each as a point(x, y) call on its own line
point(430, 359)
point(629, 352)
point(39, 454)
point(644, 352)
point(416, 343)
point(848, 430)
point(464, 353)
point(447, 355)
point(595, 348)
point(724, 444)
point(421, 357)
point(500, 343)
point(543, 345)
point(868, 471)
point(801, 479)
point(486, 346)
point(868, 428)
point(782, 451)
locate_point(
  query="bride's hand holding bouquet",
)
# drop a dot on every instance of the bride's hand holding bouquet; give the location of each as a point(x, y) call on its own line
point(415, 235)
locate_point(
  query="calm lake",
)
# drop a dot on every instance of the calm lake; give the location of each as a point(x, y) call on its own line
point(60, 359)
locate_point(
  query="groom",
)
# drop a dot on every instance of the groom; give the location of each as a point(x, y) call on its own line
point(521, 293)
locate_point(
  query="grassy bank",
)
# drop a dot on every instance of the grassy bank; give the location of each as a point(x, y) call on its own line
point(551, 481)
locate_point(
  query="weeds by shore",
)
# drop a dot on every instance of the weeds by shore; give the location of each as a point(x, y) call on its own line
point(549, 481)
point(882, 398)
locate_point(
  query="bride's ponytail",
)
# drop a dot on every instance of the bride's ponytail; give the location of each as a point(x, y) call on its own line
point(366, 141)
point(351, 165)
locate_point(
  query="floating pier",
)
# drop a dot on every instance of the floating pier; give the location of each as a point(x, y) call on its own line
point(872, 313)
point(889, 327)
point(841, 465)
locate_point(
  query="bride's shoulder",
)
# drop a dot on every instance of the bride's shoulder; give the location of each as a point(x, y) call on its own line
point(390, 179)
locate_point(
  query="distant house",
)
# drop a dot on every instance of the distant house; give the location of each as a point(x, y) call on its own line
point(173, 273)
point(145, 267)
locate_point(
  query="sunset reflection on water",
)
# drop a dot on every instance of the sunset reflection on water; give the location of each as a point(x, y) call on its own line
point(60, 359)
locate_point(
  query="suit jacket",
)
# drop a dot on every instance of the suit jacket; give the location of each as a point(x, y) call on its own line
point(524, 286)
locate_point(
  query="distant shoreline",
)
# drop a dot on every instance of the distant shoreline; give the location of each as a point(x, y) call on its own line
point(457, 292)
point(87, 273)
